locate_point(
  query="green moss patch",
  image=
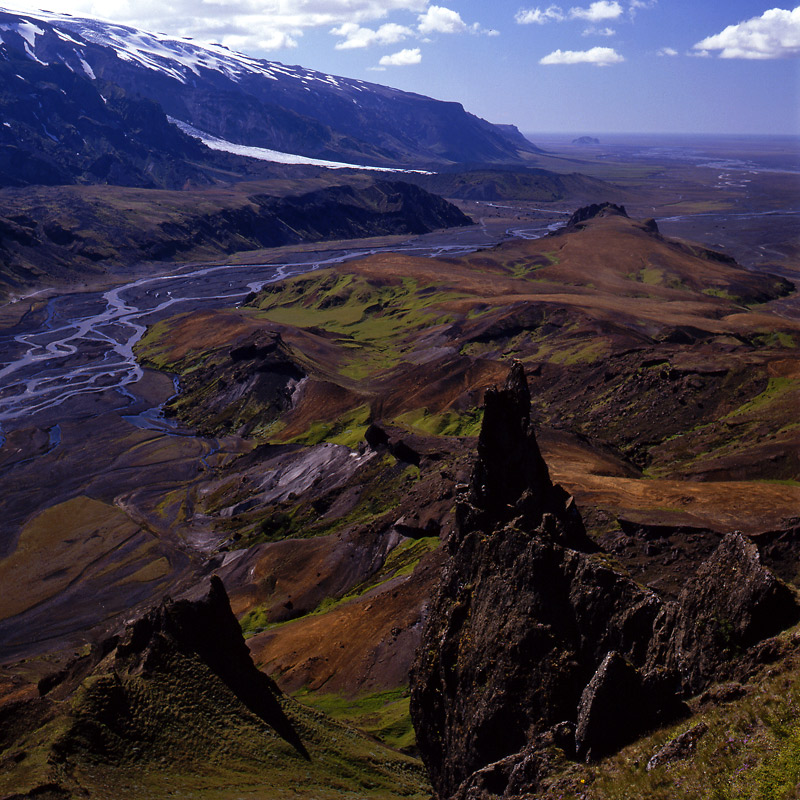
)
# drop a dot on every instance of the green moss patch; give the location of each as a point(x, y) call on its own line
point(347, 430)
point(384, 715)
point(376, 320)
point(445, 423)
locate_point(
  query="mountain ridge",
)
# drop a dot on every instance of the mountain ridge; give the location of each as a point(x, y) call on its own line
point(261, 103)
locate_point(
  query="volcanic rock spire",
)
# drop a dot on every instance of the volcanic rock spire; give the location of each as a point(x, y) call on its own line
point(510, 479)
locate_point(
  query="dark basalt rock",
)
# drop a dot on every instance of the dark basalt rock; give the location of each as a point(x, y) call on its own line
point(651, 225)
point(733, 603)
point(258, 346)
point(403, 452)
point(510, 478)
point(532, 631)
point(378, 439)
point(619, 703)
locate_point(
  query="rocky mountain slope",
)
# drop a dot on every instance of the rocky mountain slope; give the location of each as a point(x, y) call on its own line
point(233, 97)
point(175, 703)
point(534, 640)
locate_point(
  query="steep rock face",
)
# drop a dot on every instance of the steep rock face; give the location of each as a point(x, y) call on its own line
point(250, 384)
point(731, 604)
point(510, 478)
point(533, 640)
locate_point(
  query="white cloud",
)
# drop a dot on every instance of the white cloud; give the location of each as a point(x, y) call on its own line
point(403, 58)
point(599, 32)
point(667, 51)
point(354, 36)
point(597, 11)
point(775, 34)
point(635, 5)
point(527, 16)
point(438, 19)
point(599, 56)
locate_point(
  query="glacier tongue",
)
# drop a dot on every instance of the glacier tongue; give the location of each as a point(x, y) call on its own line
point(264, 154)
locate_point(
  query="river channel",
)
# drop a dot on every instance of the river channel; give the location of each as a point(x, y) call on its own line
point(83, 343)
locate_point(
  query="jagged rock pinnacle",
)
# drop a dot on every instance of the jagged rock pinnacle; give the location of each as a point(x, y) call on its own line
point(510, 479)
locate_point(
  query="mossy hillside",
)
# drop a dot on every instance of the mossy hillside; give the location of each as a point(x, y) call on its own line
point(377, 321)
point(184, 731)
point(347, 430)
point(401, 561)
point(757, 431)
point(384, 715)
point(445, 423)
point(373, 325)
point(751, 750)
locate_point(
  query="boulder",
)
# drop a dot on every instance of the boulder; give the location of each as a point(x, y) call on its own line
point(682, 746)
point(619, 704)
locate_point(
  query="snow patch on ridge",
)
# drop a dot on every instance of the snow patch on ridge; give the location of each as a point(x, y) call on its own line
point(178, 58)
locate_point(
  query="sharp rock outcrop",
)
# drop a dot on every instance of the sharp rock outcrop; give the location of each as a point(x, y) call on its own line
point(593, 210)
point(533, 641)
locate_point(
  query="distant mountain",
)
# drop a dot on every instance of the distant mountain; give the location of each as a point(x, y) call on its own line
point(59, 69)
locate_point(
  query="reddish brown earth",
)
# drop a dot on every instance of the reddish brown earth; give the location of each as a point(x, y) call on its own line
point(650, 361)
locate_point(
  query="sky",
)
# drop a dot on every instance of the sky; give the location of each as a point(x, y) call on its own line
point(592, 67)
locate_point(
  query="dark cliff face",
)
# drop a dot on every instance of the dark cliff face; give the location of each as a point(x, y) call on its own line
point(533, 640)
point(61, 128)
point(510, 479)
point(64, 235)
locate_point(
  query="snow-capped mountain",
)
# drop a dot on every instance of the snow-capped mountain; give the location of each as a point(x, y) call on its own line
point(251, 102)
